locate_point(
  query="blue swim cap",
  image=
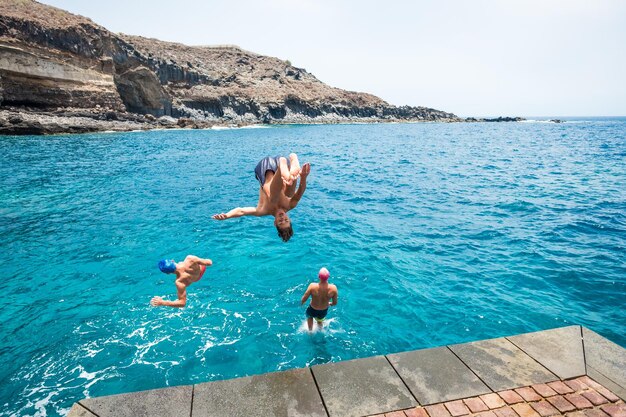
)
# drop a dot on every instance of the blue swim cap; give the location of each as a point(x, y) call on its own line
point(167, 265)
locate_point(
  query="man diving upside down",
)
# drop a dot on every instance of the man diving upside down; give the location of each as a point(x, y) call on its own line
point(277, 195)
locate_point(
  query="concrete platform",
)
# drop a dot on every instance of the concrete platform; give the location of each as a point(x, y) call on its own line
point(606, 361)
point(362, 386)
point(501, 364)
point(289, 393)
point(173, 402)
point(482, 374)
point(558, 350)
point(436, 375)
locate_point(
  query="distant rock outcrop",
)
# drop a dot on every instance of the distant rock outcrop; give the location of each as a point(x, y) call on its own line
point(56, 67)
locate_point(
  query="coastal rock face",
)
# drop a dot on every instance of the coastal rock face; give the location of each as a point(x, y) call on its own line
point(141, 92)
point(44, 78)
point(57, 64)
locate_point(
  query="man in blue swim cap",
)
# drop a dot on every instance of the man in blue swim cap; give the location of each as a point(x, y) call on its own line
point(187, 272)
point(277, 195)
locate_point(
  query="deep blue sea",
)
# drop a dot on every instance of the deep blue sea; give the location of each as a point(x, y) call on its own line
point(434, 234)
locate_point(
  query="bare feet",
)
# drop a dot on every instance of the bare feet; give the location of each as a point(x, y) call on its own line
point(306, 170)
point(294, 164)
point(287, 180)
point(156, 301)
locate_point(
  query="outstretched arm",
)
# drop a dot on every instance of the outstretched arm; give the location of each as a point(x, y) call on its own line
point(306, 295)
point(237, 212)
point(180, 303)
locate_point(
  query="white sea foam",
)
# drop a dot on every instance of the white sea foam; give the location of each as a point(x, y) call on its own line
point(40, 405)
point(304, 327)
point(142, 350)
point(140, 332)
point(551, 122)
point(238, 127)
point(87, 375)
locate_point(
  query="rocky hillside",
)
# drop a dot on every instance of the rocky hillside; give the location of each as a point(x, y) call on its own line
point(62, 72)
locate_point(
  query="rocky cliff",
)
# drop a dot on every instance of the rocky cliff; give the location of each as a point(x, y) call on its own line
point(62, 72)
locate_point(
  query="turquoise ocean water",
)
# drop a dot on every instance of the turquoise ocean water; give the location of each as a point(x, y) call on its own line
point(434, 234)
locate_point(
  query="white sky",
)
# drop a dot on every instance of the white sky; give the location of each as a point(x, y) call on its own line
point(469, 57)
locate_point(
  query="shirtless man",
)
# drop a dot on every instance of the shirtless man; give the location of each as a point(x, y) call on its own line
point(277, 195)
point(187, 272)
point(321, 294)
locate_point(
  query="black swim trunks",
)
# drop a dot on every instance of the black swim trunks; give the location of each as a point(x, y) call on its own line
point(269, 163)
point(316, 314)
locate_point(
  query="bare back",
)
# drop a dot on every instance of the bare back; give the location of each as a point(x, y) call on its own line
point(187, 272)
point(321, 294)
point(191, 270)
point(268, 205)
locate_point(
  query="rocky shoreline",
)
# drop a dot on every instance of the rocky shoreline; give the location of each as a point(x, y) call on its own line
point(63, 73)
point(15, 121)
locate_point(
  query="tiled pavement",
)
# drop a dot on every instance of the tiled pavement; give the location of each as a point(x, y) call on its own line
point(579, 397)
point(569, 371)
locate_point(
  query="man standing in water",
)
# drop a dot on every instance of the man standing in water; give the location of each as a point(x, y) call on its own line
point(187, 272)
point(277, 195)
point(321, 295)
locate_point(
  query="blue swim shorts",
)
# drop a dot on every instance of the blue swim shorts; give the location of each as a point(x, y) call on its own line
point(269, 163)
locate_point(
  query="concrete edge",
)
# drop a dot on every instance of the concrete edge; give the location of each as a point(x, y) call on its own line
point(592, 373)
point(616, 385)
point(547, 362)
point(79, 410)
point(608, 383)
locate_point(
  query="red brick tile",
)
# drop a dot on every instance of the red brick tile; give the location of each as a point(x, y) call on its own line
point(594, 397)
point(416, 412)
point(561, 403)
point(594, 412)
point(492, 400)
point(608, 394)
point(544, 408)
point(456, 408)
point(575, 414)
point(510, 397)
point(475, 404)
point(525, 410)
point(576, 384)
point(615, 410)
point(505, 412)
point(437, 410)
point(590, 382)
point(544, 390)
point(486, 414)
point(560, 387)
point(395, 414)
point(528, 394)
point(579, 401)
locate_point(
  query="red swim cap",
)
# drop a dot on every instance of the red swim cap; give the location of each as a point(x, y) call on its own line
point(323, 274)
